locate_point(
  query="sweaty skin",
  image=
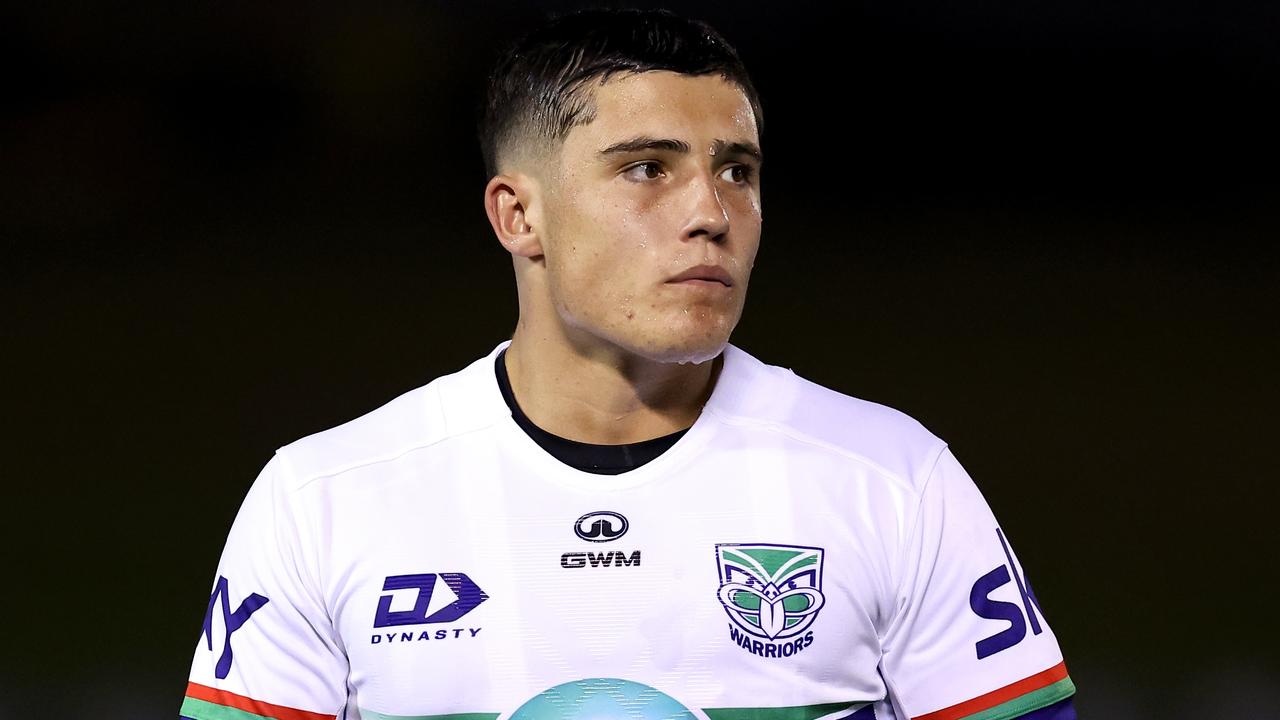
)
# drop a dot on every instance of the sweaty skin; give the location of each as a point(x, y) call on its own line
point(633, 245)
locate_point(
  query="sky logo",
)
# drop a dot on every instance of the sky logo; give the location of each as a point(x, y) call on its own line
point(982, 604)
point(232, 621)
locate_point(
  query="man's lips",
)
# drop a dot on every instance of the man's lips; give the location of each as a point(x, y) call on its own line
point(705, 273)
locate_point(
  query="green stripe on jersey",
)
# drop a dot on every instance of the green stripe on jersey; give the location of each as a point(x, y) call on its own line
point(800, 712)
point(204, 710)
point(371, 715)
point(1035, 700)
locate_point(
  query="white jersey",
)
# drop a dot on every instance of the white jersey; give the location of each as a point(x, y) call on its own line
point(797, 554)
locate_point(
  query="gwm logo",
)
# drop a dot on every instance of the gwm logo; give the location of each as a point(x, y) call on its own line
point(601, 526)
point(772, 594)
point(616, 558)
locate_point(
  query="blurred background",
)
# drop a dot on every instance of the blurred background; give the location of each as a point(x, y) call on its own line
point(1047, 230)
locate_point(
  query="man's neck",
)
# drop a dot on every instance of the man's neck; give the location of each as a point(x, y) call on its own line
point(604, 395)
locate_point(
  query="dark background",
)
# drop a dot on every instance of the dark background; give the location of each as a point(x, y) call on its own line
point(1048, 230)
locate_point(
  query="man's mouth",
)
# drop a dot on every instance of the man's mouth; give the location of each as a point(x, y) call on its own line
point(704, 275)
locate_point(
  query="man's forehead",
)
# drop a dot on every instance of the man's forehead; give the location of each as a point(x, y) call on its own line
point(667, 104)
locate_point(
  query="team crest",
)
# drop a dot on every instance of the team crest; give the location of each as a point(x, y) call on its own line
point(771, 592)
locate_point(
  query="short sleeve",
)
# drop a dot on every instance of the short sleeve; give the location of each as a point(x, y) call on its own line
point(267, 648)
point(969, 639)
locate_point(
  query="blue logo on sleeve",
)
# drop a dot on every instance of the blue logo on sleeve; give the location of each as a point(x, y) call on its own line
point(232, 621)
point(982, 604)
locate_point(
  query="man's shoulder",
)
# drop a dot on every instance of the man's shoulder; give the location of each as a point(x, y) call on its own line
point(448, 406)
point(781, 401)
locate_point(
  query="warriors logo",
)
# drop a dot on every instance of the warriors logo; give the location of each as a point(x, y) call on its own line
point(771, 592)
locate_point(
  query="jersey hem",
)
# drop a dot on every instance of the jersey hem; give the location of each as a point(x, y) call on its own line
point(371, 715)
point(206, 703)
point(1018, 698)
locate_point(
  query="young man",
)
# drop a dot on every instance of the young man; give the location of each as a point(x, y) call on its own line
point(617, 514)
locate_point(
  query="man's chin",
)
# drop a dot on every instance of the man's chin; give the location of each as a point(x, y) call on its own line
point(690, 357)
point(682, 350)
point(676, 339)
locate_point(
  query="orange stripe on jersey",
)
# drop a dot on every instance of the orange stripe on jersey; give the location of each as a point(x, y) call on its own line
point(996, 697)
point(257, 707)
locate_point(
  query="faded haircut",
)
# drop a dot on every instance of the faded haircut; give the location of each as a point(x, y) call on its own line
point(541, 87)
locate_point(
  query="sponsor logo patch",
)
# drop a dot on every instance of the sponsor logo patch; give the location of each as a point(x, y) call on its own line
point(597, 527)
point(987, 607)
point(601, 526)
point(466, 597)
point(231, 621)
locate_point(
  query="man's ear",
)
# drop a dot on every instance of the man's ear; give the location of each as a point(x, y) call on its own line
point(508, 201)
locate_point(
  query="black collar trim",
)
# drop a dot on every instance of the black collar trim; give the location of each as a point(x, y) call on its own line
point(588, 457)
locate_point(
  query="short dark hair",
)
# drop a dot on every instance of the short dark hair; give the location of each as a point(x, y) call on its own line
point(539, 88)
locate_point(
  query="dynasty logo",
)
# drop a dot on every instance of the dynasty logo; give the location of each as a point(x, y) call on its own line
point(772, 594)
point(466, 596)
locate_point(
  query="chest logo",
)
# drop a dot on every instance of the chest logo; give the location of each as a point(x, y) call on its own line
point(598, 527)
point(772, 594)
point(601, 526)
point(467, 596)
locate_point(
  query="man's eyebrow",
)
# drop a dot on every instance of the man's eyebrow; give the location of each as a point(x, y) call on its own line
point(723, 147)
point(639, 144)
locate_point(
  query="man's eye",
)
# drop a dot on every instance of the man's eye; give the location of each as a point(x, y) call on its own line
point(644, 171)
point(736, 174)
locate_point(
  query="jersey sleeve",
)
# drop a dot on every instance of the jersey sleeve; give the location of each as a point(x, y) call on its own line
point(968, 640)
point(267, 648)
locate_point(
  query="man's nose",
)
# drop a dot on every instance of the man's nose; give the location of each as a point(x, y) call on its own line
point(706, 214)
